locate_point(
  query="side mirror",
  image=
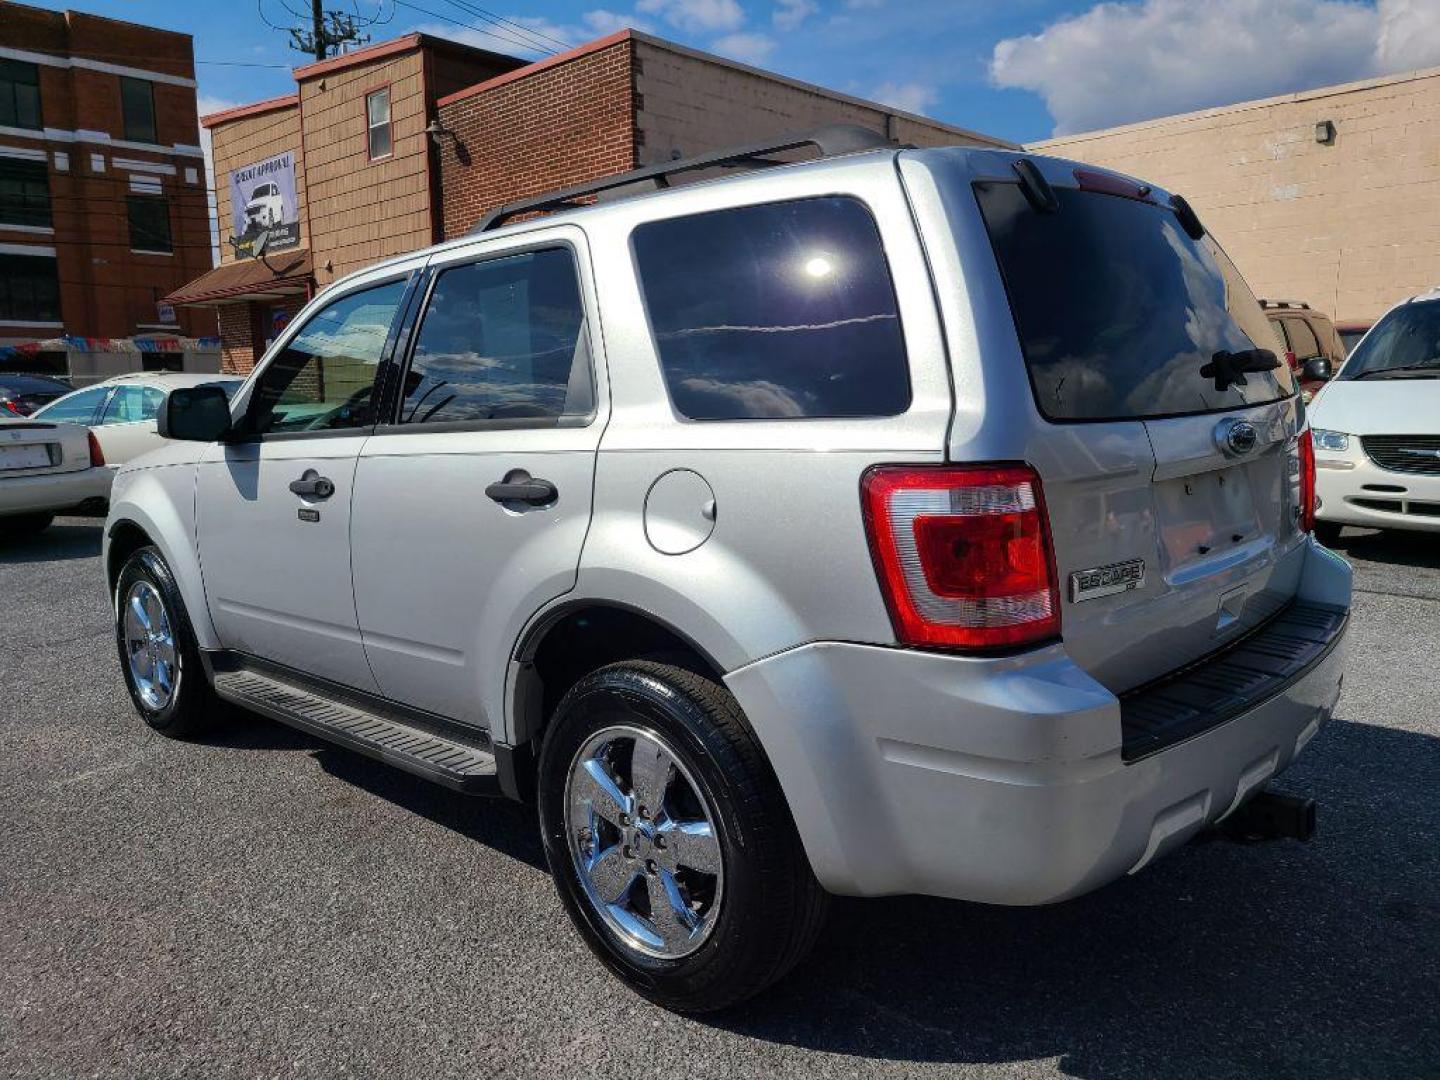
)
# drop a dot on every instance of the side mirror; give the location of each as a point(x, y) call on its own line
point(195, 414)
point(1317, 369)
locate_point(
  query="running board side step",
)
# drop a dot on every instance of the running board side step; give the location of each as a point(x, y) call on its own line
point(443, 758)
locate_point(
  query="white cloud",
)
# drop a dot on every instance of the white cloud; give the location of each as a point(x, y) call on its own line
point(1121, 62)
point(747, 48)
point(789, 14)
point(695, 16)
point(907, 97)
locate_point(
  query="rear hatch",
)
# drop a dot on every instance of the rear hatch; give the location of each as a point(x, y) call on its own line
point(32, 448)
point(1168, 447)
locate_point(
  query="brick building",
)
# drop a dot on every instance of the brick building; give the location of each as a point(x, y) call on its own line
point(102, 196)
point(1329, 195)
point(499, 130)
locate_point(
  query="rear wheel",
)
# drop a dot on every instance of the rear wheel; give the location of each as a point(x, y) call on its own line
point(670, 841)
point(23, 526)
point(158, 654)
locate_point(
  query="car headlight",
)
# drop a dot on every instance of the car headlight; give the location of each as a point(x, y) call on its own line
point(1330, 440)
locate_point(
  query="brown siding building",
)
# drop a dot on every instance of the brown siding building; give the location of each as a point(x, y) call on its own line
point(1345, 215)
point(459, 131)
point(102, 195)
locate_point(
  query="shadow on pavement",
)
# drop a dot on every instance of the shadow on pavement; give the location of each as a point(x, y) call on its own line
point(1395, 546)
point(1277, 959)
point(62, 541)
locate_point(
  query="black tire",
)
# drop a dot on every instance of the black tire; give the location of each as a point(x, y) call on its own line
point(772, 908)
point(192, 706)
point(24, 526)
point(1328, 533)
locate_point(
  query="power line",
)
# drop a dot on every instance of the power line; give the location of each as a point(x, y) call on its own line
point(497, 20)
point(509, 40)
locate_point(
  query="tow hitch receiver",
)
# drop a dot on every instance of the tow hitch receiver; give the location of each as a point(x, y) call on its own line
point(1272, 815)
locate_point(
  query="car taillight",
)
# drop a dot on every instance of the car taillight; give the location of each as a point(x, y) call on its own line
point(963, 554)
point(13, 407)
point(1307, 481)
point(97, 456)
point(1292, 360)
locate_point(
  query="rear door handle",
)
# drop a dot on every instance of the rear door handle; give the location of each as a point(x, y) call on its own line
point(313, 485)
point(520, 486)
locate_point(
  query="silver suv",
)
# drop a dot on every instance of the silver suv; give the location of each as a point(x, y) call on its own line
point(903, 521)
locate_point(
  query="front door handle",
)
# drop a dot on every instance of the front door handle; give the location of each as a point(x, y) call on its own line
point(313, 485)
point(520, 486)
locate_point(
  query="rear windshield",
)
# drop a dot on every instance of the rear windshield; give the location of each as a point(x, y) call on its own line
point(1119, 311)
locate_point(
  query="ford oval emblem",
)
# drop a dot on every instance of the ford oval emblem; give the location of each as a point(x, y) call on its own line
point(1236, 437)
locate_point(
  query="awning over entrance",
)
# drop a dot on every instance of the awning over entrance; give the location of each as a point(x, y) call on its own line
point(284, 274)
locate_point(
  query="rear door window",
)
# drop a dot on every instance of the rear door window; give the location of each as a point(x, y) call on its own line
point(1121, 314)
point(779, 311)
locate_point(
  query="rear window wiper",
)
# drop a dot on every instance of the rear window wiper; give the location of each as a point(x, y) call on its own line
point(1230, 368)
point(1403, 371)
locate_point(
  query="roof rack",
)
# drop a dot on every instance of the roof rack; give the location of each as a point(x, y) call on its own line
point(830, 140)
point(1298, 304)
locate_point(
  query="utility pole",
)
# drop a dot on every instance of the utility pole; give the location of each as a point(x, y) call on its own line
point(329, 32)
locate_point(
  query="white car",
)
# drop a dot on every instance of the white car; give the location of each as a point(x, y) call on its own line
point(121, 411)
point(265, 208)
point(1376, 427)
point(45, 469)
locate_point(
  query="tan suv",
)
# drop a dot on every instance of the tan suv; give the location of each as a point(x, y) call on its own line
point(1312, 346)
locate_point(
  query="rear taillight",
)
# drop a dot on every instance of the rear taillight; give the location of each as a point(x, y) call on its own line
point(1307, 481)
point(963, 555)
point(1293, 361)
point(97, 456)
point(13, 407)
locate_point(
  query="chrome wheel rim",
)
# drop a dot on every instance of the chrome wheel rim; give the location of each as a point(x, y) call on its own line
point(150, 645)
point(644, 842)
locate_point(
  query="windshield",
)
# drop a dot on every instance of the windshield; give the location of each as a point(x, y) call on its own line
point(1122, 315)
point(1407, 340)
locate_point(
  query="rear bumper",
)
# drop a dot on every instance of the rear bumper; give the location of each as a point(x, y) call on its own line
point(53, 492)
point(1346, 482)
point(1003, 780)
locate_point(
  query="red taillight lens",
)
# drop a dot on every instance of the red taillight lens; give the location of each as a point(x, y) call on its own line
point(963, 555)
point(1292, 360)
point(97, 456)
point(1307, 481)
point(13, 407)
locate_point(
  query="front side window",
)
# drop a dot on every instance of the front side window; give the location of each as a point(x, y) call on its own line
point(137, 106)
point(24, 193)
point(29, 289)
point(377, 124)
point(76, 408)
point(149, 217)
point(324, 379)
point(501, 339)
point(132, 404)
point(20, 95)
point(1121, 315)
point(779, 311)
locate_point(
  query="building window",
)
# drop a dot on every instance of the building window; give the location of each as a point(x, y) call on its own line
point(24, 193)
point(19, 95)
point(377, 119)
point(149, 223)
point(29, 289)
point(137, 103)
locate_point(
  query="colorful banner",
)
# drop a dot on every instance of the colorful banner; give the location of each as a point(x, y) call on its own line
point(112, 345)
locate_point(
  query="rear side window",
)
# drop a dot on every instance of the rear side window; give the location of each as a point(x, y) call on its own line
point(780, 311)
point(1121, 315)
point(1302, 339)
point(502, 339)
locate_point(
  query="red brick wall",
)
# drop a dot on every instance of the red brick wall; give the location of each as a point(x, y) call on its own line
point(240, 346)
point(539, 130)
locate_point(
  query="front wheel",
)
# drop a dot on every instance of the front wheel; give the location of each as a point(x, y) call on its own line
point(670, 841)
point(158, 654)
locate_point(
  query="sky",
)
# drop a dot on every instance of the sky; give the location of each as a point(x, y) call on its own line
point(1020, 69)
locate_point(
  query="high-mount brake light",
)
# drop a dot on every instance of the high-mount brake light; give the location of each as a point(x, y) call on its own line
point(963, 555)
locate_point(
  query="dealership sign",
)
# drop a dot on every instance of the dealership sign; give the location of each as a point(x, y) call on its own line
point(264, 212)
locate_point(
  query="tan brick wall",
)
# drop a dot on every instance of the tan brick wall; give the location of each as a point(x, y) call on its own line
point(1351, 227)
point(691, 102)
point(237, 143)
point(361, 211)
point(547, 129)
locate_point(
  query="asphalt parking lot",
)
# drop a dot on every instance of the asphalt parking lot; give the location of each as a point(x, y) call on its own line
point(262, 905)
